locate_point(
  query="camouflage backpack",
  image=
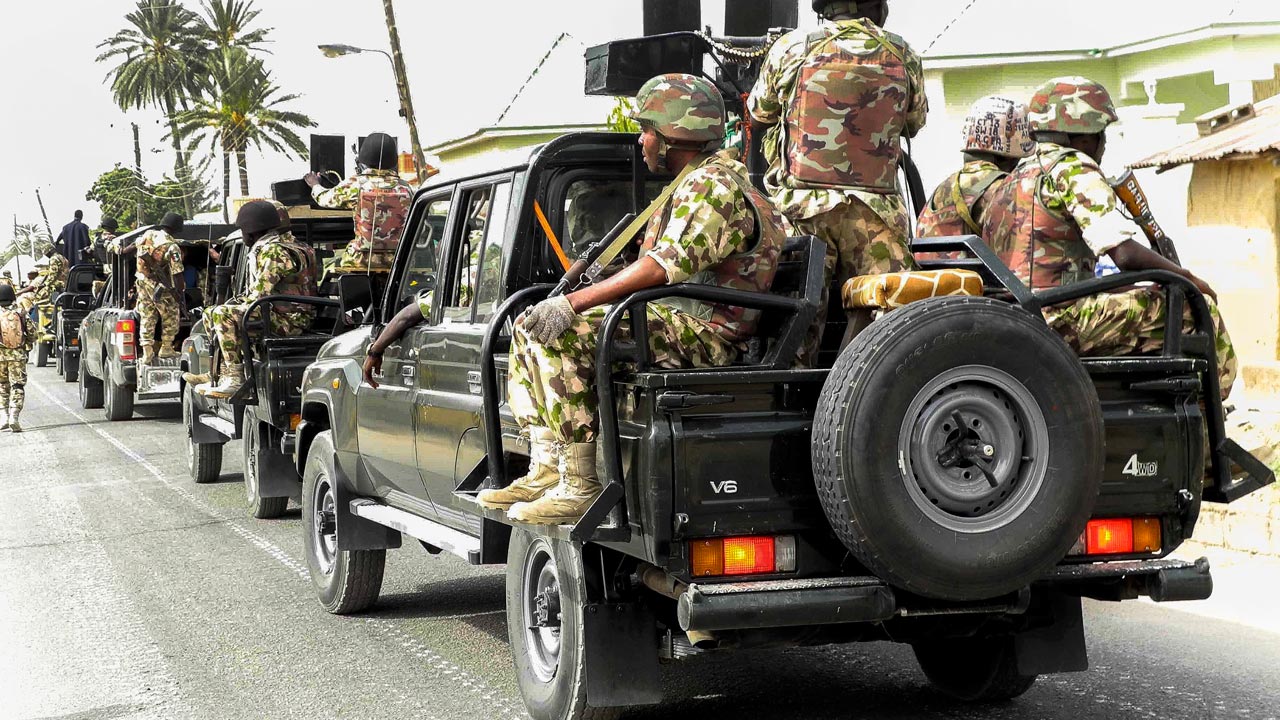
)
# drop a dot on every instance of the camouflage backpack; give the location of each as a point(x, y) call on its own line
point(12, 329)
point(848, 110)
point(381, 217)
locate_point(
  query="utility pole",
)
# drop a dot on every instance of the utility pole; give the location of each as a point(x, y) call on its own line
point(17, 256)
point(137, 175)
point(46, 223)
point(402, 86)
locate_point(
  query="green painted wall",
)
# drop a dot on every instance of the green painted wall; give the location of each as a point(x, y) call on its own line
point(509, 142)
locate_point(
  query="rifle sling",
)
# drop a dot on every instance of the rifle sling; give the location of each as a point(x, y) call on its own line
point(616, 247)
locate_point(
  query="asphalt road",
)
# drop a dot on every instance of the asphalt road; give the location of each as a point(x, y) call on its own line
point(126, 591)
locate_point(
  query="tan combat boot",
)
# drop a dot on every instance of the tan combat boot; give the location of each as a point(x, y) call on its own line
point(193, 379)
point(148, 354)
point(228, 383)
point(4, 420)
point(544, 473)
point(14, 427)
point(568, 502)
point(168, 353)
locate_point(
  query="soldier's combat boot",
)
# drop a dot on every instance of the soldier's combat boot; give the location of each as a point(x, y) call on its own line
point(14, 427)
point(167, 353)
point(228, 383)
point(544, 474)
point(148, 354)
point(568, 501)
point(193, 379)
point(4, 420)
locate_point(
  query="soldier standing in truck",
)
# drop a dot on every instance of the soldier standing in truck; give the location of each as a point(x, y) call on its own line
point(159, 282)
point(839, 100)
point(379, 199)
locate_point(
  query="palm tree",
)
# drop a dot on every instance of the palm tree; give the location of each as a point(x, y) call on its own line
point(31, 240)
point(157, 58)
point(244, 109)
point(225, 24)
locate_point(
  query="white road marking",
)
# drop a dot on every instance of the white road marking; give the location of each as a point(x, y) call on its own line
point(415, 646)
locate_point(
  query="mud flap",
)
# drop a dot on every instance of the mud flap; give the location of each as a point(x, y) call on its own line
point(354, 532)
point(1058, 647)
point(622, 650)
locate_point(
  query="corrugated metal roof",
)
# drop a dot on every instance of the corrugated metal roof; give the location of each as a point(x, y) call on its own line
point(1253, 137)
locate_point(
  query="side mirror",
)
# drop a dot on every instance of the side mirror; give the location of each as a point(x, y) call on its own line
point(355, 292)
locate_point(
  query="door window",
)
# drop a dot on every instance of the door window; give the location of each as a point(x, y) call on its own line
point(489, 289)
point(477, 283)
point(420, 278)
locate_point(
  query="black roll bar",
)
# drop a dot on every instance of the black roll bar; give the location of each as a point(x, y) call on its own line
point(493, 343)
point(266, 330)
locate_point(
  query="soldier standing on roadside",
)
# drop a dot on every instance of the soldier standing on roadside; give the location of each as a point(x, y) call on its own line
point(17, 336)
point(159, 283)
point(1056, 214)
point(716, 229)
point(379, 200)
point(277, 265)
point(839, 100)
point(996, 136)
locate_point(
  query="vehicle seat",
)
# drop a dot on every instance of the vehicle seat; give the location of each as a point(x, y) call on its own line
point(893, 290)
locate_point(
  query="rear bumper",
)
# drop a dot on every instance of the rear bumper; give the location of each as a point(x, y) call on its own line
point(829, 601)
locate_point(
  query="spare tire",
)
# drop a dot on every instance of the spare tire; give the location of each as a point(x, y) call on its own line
point(958, 448)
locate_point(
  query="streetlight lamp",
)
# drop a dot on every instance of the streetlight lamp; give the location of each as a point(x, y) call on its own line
point(402, 87)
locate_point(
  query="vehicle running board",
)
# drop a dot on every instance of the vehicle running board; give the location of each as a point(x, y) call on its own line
point(607, 532)
point(428, 531)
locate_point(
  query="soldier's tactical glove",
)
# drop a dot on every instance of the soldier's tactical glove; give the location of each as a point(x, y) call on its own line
point(548, 320)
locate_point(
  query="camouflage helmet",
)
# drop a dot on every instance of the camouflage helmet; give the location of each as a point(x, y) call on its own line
point(1074, 105)
point(998, 125)
point(681, 108)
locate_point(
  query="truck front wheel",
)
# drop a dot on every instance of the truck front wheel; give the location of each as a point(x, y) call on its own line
point(979, 670)
point(346, 581)
point(546, 599)
point(204, 460)
point(42, 354)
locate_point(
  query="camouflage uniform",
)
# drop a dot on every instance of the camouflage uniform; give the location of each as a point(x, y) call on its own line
point(53, 278)
point(13, 368)
point(841, 185)
point(278, 265)
point(704, 235)
point(379, 200)
point(7, 279)
point(967, 192)
point(1052, 219)
point(160, 254)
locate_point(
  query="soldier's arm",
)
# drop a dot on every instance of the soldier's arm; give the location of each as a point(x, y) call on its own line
point(918, 107)
point(273, 265)
point(342, 196)
point(764, 104)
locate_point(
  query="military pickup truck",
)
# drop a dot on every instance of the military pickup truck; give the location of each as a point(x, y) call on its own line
point(108, 371)
point(72, 307)
point(953, 477)
point(266, 412)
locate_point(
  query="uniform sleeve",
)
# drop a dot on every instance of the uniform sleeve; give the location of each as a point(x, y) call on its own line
point(342, 196)
point(918, 109)
point(273, 265)
point(699, 234)
point(173, 257)
point(1088, 197)
point(765, 102)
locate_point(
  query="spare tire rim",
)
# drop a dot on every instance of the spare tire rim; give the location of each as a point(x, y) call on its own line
point(973, 449)
point(541, 611)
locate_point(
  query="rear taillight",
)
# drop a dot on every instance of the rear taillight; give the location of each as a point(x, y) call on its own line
point(1119, 536)
point(124, 338)
point(751, 555)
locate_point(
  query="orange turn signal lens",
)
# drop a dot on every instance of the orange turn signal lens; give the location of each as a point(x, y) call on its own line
point(1146, 535)
point(751, 555)
point(294, 420)
point(124, 326)
point(707, 557)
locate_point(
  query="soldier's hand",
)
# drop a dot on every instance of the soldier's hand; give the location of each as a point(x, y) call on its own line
point(372, 364)
point(312, 179)
point(1204, 287)
point(549, 319)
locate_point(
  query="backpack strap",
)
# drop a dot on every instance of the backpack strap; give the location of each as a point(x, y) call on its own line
point(963, 208)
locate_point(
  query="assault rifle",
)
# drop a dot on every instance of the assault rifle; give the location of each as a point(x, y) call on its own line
point(597, 257)
point(1130, 193)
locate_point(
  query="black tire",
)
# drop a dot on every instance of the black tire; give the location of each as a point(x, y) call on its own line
point(59, 367)
point(345, 581)
point(204, 460)
point(553, 684)
point(263, 508)
point(977, 670)
point(42, 354)
point(118, 400)
point(90, 388)
point(70, 370)
point(946, 526)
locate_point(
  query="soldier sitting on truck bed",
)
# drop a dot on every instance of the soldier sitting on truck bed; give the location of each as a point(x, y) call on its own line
point(1056, 214)
point(277, 265)
point(379, 199)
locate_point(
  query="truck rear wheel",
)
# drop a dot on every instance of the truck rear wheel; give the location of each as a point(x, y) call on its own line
point(260, 507)
point(932, 454)
point(204, 460)
point(979, 670)
point(70, 370)
point(58, 366)
point(118, 401)
point(546, 599)
point(42, 354)
point(345, 581)
point(90, 389)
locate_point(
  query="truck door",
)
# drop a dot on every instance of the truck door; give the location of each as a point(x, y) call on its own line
point(386, 414)
point(449, 399)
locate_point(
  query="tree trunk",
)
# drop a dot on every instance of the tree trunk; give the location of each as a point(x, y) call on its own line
point(180, 166)
point(226, 185)
point(243, 161)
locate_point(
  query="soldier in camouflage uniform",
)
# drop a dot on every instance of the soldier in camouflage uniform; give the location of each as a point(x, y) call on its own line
point(17, 336)
point(716, 229)
point(996, 136)
point(1056, 214)
point(839, 100)
point(379, 200)
point(278, 265)
point(7, 279)
point(159, 284)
